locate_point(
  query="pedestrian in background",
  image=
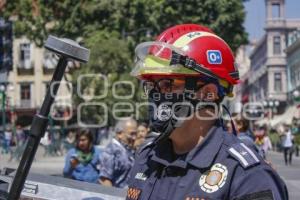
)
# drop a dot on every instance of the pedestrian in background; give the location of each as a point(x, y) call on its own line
point(267, 144)
point(69, 141)
point(287, 144)
point(56, 142)
point(20, 135)
point(259, 140)
point(244, 133)
point(142, 132)
point(2, 141)
point(81, 161)
point(46, 142)
point(117, 159)
point(20, 140)
point(8, 140)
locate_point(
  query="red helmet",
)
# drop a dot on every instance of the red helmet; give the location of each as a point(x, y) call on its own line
point(186, 50)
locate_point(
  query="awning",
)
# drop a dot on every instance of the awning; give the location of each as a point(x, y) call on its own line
point(264, 121)
point(286, 117)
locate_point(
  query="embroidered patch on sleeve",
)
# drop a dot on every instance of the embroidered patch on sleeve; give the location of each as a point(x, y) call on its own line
point(133, 193)
point(262, 195)
point(214, 179)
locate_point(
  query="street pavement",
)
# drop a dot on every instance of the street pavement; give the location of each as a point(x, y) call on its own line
point(54, 166)
point(44, 165)
point(290, 174)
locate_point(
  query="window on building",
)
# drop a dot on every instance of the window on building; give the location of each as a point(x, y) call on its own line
point(277, 82)
point(25, 60)
point(293, 80)
point(25, 91)
point(276, 45)
point(50, 60)
point(275, 11)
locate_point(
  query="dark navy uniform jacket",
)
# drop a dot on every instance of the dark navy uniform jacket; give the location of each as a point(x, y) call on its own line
point(221, 167)
point(115, 163)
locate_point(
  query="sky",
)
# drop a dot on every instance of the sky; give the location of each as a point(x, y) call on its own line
point(255, 16)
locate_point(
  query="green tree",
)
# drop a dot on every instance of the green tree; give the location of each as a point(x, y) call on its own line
point(109, 59)
point(131, 18)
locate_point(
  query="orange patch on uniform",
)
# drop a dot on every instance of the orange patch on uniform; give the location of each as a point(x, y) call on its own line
point(213, 178)
point(133, 193)
point(194, 198)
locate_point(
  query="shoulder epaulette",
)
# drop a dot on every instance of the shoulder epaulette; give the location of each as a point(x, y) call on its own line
point(243, 154)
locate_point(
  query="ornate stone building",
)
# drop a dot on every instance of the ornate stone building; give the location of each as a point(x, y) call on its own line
point(268, 70)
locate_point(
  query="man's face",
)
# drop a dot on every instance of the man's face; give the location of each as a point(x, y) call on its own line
point(128, 135)
point(141, 132)
point(83, 143)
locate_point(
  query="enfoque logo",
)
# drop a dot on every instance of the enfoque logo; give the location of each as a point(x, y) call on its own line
point(93, 102)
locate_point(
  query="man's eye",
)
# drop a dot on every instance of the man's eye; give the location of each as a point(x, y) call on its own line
point(177, 87)
point(166, 85)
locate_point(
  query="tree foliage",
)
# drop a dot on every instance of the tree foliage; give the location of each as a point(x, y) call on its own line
point(112, 28)
point(78, 18)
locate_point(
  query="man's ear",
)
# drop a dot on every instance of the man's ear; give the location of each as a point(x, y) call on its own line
point(209, 93)
point(118, 135)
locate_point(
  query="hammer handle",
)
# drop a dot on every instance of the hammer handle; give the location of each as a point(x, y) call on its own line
point(37, 131)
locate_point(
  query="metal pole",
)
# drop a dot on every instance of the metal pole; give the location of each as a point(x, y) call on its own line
point(13, 120)
point(3, 110)
point(37, 131)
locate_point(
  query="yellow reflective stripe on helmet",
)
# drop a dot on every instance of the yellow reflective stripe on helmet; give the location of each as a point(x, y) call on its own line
point(187, 38)
point(156, 65)
point(164, 71)
point(153, 61)
point(223, 83)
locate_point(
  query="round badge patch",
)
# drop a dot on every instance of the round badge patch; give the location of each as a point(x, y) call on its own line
point(164, 112)
point(213, 179)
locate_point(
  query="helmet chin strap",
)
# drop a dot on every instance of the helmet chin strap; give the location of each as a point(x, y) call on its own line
point(231, 121)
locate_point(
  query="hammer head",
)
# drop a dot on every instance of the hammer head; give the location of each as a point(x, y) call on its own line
point(67, 48)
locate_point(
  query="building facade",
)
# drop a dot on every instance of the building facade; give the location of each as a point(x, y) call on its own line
point(27, 83)
point(268, 70)
point(293, 67)
point(243, 62)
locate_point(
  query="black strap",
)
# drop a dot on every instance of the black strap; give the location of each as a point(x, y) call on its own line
point(235, 75)
point(192, 64)
point(191, 83)
point(232, 124)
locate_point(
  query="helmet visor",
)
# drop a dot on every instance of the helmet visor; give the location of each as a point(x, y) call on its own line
point(155, 58)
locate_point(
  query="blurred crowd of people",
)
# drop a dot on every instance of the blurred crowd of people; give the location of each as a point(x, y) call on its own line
point(13, 142)
point(110, 164)
point(258, 138)
point(86, 158)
